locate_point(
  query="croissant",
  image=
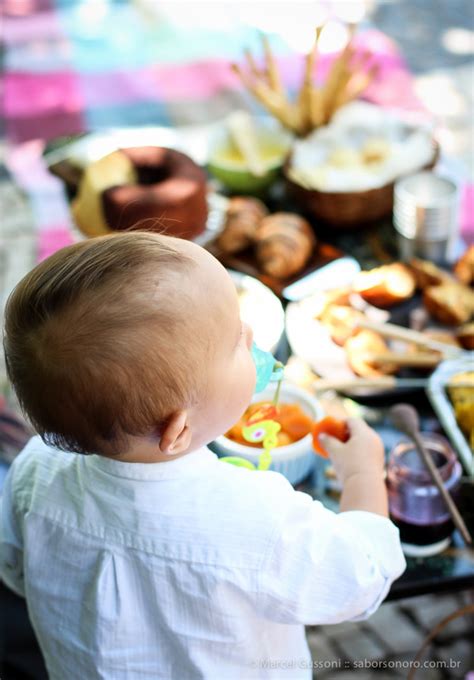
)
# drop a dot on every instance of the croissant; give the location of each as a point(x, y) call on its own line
point(284, 243)
point(243, 217)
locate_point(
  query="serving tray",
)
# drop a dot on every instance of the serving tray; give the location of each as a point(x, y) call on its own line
point(438, 396)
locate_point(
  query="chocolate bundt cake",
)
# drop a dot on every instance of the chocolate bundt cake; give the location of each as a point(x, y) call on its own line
point(149, 187)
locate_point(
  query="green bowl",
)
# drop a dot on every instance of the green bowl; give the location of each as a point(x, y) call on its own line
point(242, 180)
point(234, 174)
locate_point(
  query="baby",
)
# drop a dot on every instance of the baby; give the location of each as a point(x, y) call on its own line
point(148, 557)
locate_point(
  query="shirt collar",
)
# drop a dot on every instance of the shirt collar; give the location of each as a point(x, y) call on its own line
point(189, 464)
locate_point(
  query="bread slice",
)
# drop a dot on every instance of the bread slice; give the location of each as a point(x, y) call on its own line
point(449, 303)
point(359, 350)
point(465, 336)
point(427, 273)
point(385, 286)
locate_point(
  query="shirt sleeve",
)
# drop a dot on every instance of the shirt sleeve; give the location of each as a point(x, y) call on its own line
point(11, 544)
point(325, 567)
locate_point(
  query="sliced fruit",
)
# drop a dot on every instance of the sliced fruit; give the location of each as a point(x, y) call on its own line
point(332, 427)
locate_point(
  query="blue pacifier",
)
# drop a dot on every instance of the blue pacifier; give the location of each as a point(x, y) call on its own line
point(267, 367)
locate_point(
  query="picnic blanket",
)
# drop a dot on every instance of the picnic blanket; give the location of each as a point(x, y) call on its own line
point(73, 66)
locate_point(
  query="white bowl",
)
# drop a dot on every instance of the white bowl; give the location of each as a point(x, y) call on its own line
point(294, 461)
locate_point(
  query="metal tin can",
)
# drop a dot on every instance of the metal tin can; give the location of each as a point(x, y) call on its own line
point(426, 216)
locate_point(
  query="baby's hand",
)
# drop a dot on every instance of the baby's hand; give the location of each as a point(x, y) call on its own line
point(362, 453)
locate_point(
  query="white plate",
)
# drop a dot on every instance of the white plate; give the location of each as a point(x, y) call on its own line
point(310, 340)
point(261, 309)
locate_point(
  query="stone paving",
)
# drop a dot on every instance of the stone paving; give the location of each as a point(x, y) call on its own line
point(442, 62)
point(391, 638)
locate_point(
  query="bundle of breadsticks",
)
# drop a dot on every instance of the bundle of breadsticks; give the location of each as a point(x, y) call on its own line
point(350, 74)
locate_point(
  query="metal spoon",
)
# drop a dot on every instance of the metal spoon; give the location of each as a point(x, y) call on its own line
point(405, 418)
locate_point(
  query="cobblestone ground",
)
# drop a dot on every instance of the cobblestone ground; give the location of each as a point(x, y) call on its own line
point(385, 645)
point(434, 38)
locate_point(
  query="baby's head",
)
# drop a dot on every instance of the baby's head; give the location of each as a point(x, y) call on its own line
point(129, 342)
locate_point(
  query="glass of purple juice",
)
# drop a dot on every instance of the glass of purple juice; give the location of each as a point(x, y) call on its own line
point(416, 506)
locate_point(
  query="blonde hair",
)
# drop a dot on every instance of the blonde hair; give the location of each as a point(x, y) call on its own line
point(91, 340)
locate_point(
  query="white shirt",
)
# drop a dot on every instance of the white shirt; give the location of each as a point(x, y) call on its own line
point(182, 570)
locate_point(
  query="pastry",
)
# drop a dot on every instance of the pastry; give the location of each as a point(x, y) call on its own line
point(243, 217)
point(284, 243)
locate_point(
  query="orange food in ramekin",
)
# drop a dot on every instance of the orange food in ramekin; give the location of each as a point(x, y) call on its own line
point(294, 422)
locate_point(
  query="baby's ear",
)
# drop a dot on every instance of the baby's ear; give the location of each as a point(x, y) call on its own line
point(176, 435)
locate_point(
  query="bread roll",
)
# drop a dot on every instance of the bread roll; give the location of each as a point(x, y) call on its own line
point(284, 244)
point(243, 217)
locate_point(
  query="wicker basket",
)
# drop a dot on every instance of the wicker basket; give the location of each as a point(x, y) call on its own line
point(347, 210)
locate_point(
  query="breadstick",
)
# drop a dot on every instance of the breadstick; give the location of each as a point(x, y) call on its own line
point(390, 330)
point(409, 359)
point(355, 69)
point(272, 70)
point(383, 383)
point(267, 97)
point(275, 102)
point(332, 84)
point(305, 105)
point(254, 70)
point(317, 111)
point(359, 83)
point(346, 74)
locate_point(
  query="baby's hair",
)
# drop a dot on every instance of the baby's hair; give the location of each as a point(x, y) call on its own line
point(91, 340)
